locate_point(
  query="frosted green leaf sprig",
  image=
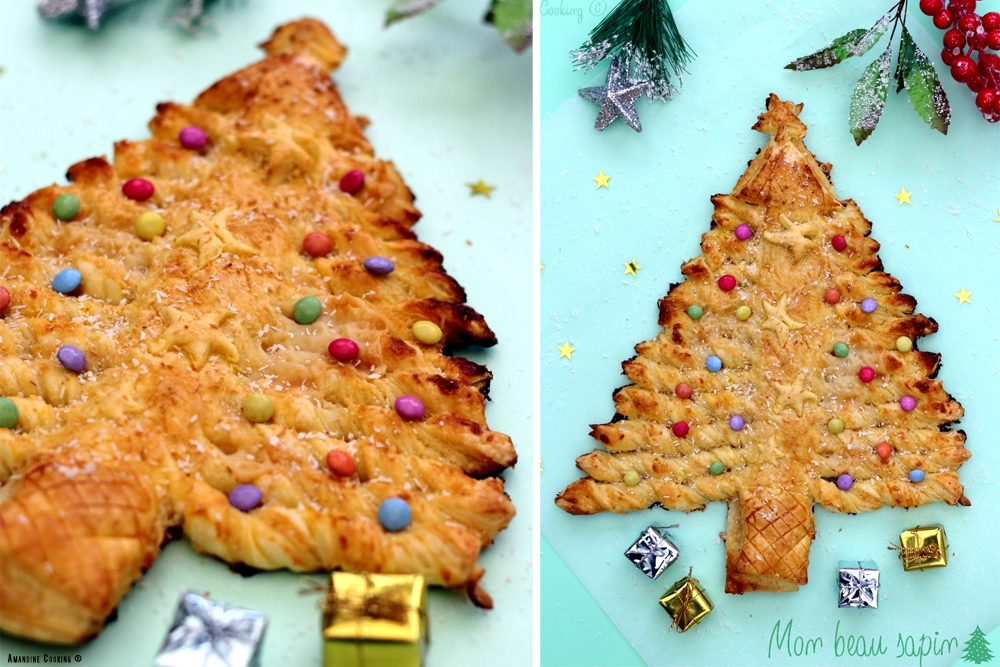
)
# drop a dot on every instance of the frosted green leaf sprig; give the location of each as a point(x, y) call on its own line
point(914, 73)
point(644, 33)
point(511, 18)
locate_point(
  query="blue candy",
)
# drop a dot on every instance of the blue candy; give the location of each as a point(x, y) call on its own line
point(72, 358)
point(714, 364)
point(394, 514)
point(66, 281)
point(916, 475)
point(869, 305)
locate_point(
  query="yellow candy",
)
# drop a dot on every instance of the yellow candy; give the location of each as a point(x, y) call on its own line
point(743, 313)
point(258, 408)
point(427, 332)
point(631, 478)
point(149, 225)
point(904, 344)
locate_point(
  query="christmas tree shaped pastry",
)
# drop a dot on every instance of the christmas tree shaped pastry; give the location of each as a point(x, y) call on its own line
point(232, 332)
point(787, 375)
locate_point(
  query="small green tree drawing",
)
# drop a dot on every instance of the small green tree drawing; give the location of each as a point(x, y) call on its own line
point(977, 649)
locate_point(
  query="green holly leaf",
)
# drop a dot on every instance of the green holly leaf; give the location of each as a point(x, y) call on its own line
point(868, 99)
point(874, 33)
point(835, 52)
point(406, 8)
point(512, 19)
point(922, 85)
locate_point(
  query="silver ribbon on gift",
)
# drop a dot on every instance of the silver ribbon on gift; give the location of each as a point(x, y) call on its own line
point(211, 634)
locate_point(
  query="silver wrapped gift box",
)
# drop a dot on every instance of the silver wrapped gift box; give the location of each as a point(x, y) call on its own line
point(212, 634)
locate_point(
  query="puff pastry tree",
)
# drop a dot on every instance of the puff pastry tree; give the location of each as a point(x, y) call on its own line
point(787, 375)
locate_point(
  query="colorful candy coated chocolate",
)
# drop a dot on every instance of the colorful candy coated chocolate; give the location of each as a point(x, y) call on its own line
point(8, 413)
point(917, 475)
point(394, 514)
point(192, 137)
point(258, 408)
point(352, 181)
point(736, 422)
point(714, 364)
point(4, 298)
point(680, 429)
point(410, 408)
point(908, 403)
point(904, 344)
point(343, 349)
point(839, 243)
point(835, 425)
point(316, 244)
point(340, 463)
point(832, 296)
point(245, 497)
point(683, 390)
point(138, 189)
point(149, 225)
point(727, 283)
point(379, 265)
point(66, 281)
point(65, 207)
point(866, 374)
point(72, 358)
point(743, 232)
point(695, 312)
point(845, 482)
point(427, 332)
point(743, 313)
point(716, 468)
point(884, 450)
point(632, 478)
point(307, 310)
point(841, 350)
point(869, 305)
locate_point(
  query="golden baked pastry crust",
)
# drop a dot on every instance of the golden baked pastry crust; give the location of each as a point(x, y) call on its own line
point(778, 373)
point(177, 331)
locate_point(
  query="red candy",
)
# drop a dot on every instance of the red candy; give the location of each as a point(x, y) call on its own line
point(4, 298)
point(832, 296)
point(884, 450)
point(683, 390)
point(727, 283)
point(352, 181)
point(340, 463)
point(839, 243)
point(316, 244)
point(867, 374)
point(344, 349)
point(680, 429)
point(138, 189)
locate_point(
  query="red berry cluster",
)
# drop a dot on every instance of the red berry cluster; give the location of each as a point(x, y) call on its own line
point(968, 33)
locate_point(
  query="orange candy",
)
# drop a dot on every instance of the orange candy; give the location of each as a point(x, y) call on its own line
point(884, 450)
point(340, 463)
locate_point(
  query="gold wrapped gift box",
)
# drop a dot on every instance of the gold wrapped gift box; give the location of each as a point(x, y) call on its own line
point(923, 547)
point(375, 620)
point(686, 603)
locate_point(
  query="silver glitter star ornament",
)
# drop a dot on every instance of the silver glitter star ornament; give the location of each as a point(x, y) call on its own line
point(653, 552)
point(92, 12)
point(617, 97)
point(859, 586)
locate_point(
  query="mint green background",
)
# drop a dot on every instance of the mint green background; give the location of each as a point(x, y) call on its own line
point(449, 104)
point(595, 607)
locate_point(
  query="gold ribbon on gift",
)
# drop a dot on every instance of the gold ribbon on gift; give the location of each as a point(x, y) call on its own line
point(909, 555)
point(684, 600)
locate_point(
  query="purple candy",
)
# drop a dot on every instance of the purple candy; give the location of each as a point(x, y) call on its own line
point(736, 422)
point(193, 137)
point(379, 265)
point(72, 358)
point(245, 497)
point(410, 408)
point(845, 482)
point(869, 305)
point(907, 403)
point(743, 232)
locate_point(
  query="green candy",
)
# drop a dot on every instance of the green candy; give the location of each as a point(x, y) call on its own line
point(631, 478)
point(841, 350)
point(307, 310)
point(258, 408)
point(835, 425)
point(66, 207)
point(695, 312)
point(716, 468)
point(8, 413)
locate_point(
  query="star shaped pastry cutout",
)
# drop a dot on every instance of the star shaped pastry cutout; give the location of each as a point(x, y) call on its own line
point(779, 321)
point(903, 196)
point(289, 150)
point(211, 237)
point(963, 297)
point(617, 97)
point(792, 396)
point(631, 267)
point(602, 180)
point(198, 339)
point(566, 351)
point(480, 188)
point(797, 237)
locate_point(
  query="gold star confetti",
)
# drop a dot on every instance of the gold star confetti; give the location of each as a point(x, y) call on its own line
point(631, 267)
point(480, 188)
point(540, 267)
point(963, 297)
point(997, 219)
point(903, 196)
point(540, 468)
point(602, 180)
point(566, 351)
